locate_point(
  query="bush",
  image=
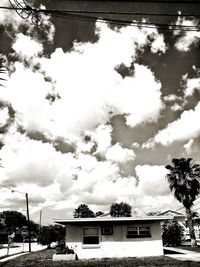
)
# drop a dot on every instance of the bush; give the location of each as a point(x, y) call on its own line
point(63, 249)
point(172, 233)
point(51, 233)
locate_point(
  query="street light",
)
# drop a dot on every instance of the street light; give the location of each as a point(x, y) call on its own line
point(27, 212)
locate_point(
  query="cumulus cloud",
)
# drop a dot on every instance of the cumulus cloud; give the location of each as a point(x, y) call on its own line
point(182, 129)
point(176, 107)
point(188, 37)
point(96, 141)
point(190, 85)
point(86, 80)
point(25, 46)
point(100, 92)
point(12, 22)
point(172, 98)
point(4, 116)
point(128, 97)
point(89, 92)
point(188, 146)
point(152, 180)
point(119, 154)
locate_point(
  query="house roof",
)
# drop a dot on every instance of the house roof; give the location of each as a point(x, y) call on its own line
point(112, 219)
point(175, 214)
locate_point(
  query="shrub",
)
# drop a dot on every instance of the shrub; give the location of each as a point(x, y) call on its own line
point(172, 233)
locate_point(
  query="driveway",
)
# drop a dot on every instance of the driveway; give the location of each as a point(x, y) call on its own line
point(18, 248)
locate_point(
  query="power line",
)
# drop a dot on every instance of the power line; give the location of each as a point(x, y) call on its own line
point(75, 11)
point(82, 16)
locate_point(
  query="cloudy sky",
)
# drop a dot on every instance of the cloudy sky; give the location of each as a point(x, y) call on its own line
point(95, 111)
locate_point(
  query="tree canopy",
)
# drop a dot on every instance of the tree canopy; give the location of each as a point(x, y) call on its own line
point(183, 178)
point(51, 233)
point(172, 233)
point(121, 209)
point(11, 220)
point(83, 211)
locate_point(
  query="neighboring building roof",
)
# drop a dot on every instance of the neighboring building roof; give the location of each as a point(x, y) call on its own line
point(175, 214)
point(112, 219)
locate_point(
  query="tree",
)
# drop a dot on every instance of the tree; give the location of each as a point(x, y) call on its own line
point(51, 233)
point(183, 178)
point(13, 220)
point(2, 71)
point(99, 213)
point(121, 209)
point(83, 211)
point(172, 233)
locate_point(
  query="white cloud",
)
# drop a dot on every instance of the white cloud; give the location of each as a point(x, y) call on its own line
point(118, 154)
point(182, 129)
point(128, 97)
point(172, 98)
point(188, 146)
point(158, 45)
point(12, 21)
point(100, 139)
point(4, 116)
point(25, 46)
point(176, 107)
point(99, 88)
point(152, 180)
point(90, 91)
point(190, 85)
point(189, 37)
point(89, 87)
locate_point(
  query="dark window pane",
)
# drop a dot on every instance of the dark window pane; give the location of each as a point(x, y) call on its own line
point(90, 240)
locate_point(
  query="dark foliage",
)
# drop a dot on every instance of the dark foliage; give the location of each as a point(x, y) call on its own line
point(121, 209)
point(83, 211)
point(172, 233)
point(51, 233)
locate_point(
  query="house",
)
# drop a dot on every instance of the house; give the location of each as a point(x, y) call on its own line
point(175, 214)
point(114, 236)
point(181, 219)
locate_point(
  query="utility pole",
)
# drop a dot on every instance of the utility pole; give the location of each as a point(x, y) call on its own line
point(29, 231)
point(27, 211)
point(40, 220)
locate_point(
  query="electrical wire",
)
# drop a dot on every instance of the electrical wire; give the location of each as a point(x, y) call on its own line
point(51, 11)
point(140, 24)
point(82, 16)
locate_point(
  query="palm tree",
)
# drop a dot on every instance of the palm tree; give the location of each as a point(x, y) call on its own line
point(183, 178)
point(2, 71)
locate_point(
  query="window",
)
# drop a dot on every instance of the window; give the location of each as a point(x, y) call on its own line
point(90, 236)
point(138, 231)
point(107, 230)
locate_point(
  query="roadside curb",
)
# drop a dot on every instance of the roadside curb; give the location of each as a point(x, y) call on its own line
point(13, 256)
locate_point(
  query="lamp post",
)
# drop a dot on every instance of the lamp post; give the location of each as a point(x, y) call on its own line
point(29, 232)
point(27, 212)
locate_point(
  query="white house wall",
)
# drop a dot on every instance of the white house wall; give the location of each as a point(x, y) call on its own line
point(119, 249)
point(117, 244)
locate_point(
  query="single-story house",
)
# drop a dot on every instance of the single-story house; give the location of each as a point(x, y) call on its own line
point(102, 237)
point(175, 214)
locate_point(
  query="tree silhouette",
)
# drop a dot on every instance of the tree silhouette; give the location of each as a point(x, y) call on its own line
point(51, 233)
point(121, 209)
point(83, 211)
point(183, 178)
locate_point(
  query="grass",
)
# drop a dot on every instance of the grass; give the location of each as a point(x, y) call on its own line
point(44, 259)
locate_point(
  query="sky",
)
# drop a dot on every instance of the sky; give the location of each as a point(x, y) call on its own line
point(93, 111)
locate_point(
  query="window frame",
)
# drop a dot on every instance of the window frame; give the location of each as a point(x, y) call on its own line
point(140, 232)
point(105, 227)
point(83, 236)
